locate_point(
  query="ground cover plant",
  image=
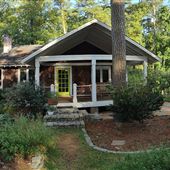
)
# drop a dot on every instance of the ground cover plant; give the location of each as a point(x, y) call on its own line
point(23, 137)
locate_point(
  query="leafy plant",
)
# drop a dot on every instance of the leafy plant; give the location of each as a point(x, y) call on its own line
point(24, 137)
point(5, 119)
point(136, 101)
point(50, 108)
point(25, 99)
point(2, 102)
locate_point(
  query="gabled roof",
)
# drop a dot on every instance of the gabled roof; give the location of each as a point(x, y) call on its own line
point(94, 32)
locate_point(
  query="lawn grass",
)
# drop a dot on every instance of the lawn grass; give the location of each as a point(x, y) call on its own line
point(90, 159)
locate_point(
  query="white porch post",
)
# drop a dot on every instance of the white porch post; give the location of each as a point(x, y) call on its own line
point(110, 75)
point(126, 74)
point(75, 94)
point(93, 80)
point(145, 69)
point(37, 72)
point(27, 74)
point(19, 75)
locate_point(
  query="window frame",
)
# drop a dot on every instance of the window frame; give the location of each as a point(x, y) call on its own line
point(101, 68)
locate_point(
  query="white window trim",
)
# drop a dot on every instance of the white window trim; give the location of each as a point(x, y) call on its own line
point(101, 68)
point(26, 72)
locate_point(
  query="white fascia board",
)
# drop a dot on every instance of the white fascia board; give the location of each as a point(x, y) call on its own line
point(28, 58)
point(85, 58)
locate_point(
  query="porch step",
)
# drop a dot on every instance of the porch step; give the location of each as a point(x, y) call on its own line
point(66, 117)
point(64, 123)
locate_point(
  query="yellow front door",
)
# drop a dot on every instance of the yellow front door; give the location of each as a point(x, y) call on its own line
point(63, 81)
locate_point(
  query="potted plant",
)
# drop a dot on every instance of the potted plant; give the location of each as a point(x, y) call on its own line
point(52, 99)
point(50, 110)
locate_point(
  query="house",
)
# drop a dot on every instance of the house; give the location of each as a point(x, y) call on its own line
point(76, 66)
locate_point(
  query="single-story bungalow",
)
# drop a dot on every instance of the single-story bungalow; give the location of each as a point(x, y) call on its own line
point(77, 66)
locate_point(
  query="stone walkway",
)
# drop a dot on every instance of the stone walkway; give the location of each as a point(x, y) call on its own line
point(165, 110)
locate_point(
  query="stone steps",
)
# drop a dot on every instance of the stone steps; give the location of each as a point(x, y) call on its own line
point(64, 124)
point(68, 117)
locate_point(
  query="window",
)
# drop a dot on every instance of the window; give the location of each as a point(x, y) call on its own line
point(23, 76)
point(103, 74)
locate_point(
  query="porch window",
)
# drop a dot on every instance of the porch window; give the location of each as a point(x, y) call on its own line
point(103, 74)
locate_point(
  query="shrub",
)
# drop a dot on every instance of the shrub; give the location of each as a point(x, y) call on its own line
point(136, 101)
point(5, 119)
point(25, 99)
point(24, 137)
point(1, 101)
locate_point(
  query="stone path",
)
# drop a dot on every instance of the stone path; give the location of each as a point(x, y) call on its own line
point(165, 110)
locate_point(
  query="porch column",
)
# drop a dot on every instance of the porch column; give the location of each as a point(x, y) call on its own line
point(27, 74)
point(75, 94)
point(145, 69)
point(37, 72)
point(19, 75)
point(93, 80)
point(126, 74)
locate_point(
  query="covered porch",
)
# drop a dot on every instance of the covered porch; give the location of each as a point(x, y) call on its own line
point(80, 80)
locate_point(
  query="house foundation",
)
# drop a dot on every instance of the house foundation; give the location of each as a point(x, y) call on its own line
point(94, 110)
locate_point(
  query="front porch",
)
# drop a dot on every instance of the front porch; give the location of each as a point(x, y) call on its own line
point(80, 80)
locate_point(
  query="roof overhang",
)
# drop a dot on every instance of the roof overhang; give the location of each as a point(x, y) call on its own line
point(94, 32)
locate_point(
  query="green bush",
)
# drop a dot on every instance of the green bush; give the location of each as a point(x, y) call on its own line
point(156, 160)
point(24, 137)
point(5, 119)
point(136, 101)
point(2, 102)
point(25, 99)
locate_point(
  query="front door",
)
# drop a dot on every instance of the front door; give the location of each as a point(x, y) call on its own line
point(63, 81)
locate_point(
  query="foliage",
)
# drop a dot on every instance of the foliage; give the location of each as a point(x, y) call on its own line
point(5, 119)
point(162, 82)
point(136, 101)
point(153, 161)
point(25, 99)
point(24, 137)
point(1, 102)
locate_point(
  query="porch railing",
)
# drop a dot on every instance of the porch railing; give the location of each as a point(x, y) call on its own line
point(84, 92)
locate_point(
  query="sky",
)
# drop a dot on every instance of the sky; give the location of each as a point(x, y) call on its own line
point(165, 1)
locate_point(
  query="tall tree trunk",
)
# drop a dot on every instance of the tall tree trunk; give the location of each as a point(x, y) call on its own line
point(118, 43)
point(64, 22)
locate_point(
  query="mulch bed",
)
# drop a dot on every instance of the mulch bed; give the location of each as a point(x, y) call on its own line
point(152, 133)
